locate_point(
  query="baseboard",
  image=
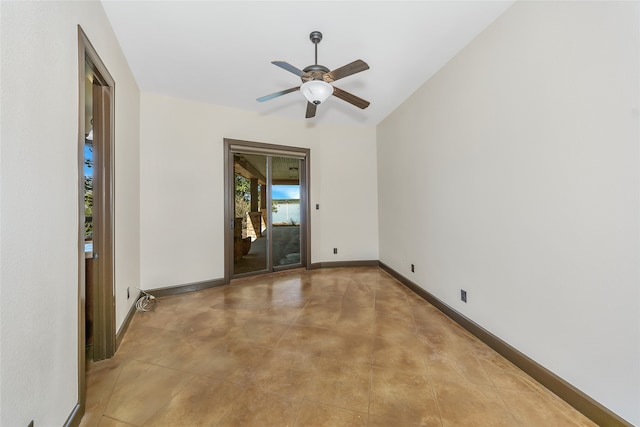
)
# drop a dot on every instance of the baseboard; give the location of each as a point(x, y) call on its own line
point(74, 417)
point(127, 321)
point(338, 264)
point(189, 287)
point(574, 397)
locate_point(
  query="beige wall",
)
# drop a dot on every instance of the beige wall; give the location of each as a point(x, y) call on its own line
point(516, 170)
point(39, 219)
point(182, 203)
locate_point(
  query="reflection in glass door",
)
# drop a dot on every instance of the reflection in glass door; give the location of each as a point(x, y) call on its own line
point(267, 214)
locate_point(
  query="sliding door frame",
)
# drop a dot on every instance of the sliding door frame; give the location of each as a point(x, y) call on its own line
point(275, 151)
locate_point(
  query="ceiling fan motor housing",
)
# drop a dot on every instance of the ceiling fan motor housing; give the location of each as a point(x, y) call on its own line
point(314, 72)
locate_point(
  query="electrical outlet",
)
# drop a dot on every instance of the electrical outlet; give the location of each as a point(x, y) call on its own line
point(128, 294)
point(335, 251)
point(413, 268)
point(463, 295)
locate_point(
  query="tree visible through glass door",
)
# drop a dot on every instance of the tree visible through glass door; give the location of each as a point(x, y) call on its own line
point(250, 237)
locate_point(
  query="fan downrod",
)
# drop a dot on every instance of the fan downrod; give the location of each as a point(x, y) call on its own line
point(315, 37)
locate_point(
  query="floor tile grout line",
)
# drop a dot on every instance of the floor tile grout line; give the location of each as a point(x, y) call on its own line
point(511, 414)
point(163, 366)
point(435, 399)
point(302, 325)
point(295, 421)
point(329, 405)
point(118, 420)
point(424, 361)
point(171, 397)
point(290, 326)
point(223, 416)
point(497, 389)
point(373, 334)
point(433, 390)
point(113, 388)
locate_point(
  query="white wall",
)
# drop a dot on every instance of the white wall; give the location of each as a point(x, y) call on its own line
point(517, 167)
point(39, 220)
point(182, 180)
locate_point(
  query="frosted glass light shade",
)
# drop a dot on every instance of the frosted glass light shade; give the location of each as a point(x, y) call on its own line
point(316, 91)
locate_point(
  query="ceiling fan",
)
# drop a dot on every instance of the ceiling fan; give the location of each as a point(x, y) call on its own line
point(316, 81)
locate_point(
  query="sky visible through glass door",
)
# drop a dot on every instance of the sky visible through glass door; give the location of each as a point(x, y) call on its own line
point(285, 192)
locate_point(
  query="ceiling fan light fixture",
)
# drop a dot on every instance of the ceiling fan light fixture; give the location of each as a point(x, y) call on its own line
point(316, 91)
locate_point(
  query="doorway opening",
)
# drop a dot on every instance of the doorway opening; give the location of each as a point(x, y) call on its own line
point(96, 303)
point(267, 208)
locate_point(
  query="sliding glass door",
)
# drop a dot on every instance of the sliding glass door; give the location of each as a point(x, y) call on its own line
point(268, 209)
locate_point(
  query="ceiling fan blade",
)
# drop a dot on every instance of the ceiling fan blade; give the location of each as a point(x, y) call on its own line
point(289, 67)
point(346, 70)
point(350, 98)
point(277, 94)
point(311, 110)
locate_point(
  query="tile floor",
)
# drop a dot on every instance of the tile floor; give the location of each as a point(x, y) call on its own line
point(330, 347)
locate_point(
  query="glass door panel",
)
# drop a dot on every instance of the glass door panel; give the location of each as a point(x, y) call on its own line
point(250, 237)
point(267, 191)
point(285, 211)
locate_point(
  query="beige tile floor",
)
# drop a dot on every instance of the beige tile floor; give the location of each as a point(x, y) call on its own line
point(331, 347)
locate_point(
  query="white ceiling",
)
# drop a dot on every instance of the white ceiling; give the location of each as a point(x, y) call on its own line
point(219, 52)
